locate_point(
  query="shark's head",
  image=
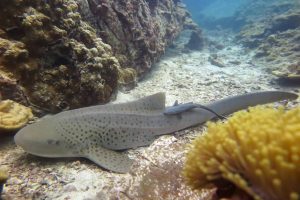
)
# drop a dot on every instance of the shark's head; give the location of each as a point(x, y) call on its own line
point(42, 139)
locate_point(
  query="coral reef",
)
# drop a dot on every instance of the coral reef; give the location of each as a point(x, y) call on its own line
point(272, 31)
point(256, 151)
point(51, 59)
point(290, 72)
point(13, 115)
point(138, 31)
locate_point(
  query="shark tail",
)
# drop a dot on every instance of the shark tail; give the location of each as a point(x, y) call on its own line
point(232, 104)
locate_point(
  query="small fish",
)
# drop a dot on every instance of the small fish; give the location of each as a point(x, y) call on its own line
point(99, 132)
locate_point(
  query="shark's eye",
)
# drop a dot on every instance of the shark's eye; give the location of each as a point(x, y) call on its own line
point(54, 142)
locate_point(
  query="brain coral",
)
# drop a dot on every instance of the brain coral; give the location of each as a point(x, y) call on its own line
point(257, 151)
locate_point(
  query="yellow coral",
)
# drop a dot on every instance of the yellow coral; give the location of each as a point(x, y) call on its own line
point(256, 150)
point(127, 76)
point(3, 175)
point(12, 50)
point(13, 115)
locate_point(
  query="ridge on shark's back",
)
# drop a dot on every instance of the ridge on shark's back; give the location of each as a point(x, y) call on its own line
point(98, 132)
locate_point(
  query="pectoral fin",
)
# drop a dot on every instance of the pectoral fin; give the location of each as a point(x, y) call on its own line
point(110, 160)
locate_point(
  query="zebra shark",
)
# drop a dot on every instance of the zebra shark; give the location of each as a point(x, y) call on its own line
point(98, 133)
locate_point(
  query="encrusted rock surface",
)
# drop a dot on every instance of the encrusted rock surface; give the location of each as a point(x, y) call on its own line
point(57, 55)
point(51, 58)
point(138, 31)
point(274, 35)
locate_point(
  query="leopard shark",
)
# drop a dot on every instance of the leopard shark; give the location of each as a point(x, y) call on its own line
point(101, 133)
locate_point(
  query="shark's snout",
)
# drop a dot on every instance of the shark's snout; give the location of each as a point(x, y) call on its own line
point(41, 139)
point(18, 139)
point(25, 137)
point(22, 137)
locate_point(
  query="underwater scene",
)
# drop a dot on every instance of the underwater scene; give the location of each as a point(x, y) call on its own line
point(150, 99)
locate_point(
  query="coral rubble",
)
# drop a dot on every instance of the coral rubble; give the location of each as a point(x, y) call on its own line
point(256, 151)
point(13, 115)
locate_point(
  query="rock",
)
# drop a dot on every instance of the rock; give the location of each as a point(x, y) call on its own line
point(137, 31)
point(13, 115)
point(272, 32)
point(235, 62)
point(70, 188)
point(196, 41)
point(216, 61)
point(57, 55)
point(286, 21)
point(292, 72)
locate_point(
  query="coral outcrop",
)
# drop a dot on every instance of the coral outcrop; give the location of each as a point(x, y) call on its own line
point(196, 41)
point(13, 115)
point(290, 72)
point(138, 31)
point(57, 55)
point(52, 58)
point(272, 30)
point(256, 151)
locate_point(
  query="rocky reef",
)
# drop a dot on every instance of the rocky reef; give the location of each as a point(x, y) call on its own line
point(57, 55)
point(272, 30)
point(51, 58)
point(138, 31)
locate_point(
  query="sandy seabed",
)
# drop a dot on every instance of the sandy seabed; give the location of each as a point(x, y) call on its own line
point(186, 76)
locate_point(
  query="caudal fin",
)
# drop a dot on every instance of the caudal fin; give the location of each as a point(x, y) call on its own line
point(235, 103)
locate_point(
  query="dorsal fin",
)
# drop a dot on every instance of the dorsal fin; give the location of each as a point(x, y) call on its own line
point(153, 103)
